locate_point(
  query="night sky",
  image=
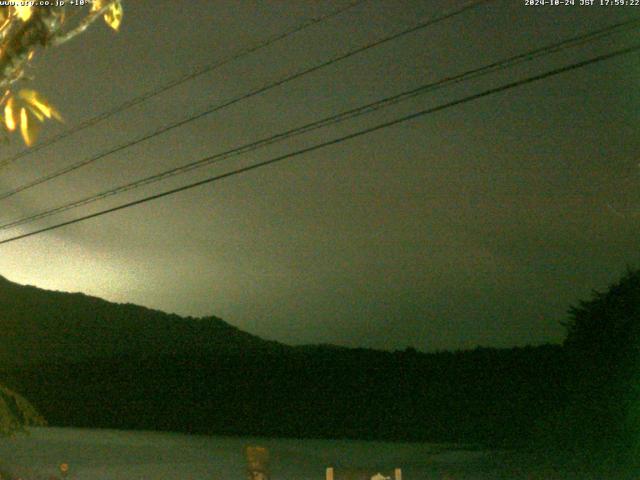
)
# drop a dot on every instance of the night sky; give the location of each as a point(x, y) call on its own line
point(477, 225)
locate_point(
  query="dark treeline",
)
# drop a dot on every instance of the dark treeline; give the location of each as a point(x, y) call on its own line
point(600, 412)
point(485, 395)
point(207, 377)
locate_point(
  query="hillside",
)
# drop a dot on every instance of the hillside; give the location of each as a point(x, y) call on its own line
point(42, 326)
point(86, 362)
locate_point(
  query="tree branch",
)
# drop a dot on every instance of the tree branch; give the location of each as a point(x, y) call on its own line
point(15, 49)
point(61, 38)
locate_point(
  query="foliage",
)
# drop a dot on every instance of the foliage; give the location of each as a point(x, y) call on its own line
point(24, 29)
point(489, 396)
point(603, 356)
point(16, 412)
point(607, 325)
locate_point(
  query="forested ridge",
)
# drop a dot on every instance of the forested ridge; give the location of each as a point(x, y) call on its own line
point(163, 372)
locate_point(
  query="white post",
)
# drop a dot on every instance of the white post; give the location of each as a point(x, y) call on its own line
point(397, 474)
point(330, 473)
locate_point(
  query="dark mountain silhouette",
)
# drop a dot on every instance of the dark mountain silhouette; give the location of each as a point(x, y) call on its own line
point(87, 362)
point(42, 326)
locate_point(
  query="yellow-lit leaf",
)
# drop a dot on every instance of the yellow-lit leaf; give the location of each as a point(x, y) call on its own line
point(113, 15)
point(33, 98)
point(10, 115)
point(23, 12)
point(28, 128)
point(97, 5)
point(38, 114)
point(26, 110)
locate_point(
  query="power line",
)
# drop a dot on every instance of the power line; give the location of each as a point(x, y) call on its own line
point(252, 93)
point(336, 141)
point(178, 81)
point(333, 119)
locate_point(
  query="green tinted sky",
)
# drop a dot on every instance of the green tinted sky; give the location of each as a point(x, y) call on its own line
point(480, 224)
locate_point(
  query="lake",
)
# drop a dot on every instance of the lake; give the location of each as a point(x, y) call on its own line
point(110, 454)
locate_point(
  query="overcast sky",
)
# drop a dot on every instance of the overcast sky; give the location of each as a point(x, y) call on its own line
point(477, 225)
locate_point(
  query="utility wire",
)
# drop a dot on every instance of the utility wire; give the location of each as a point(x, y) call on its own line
point(252, 93)
point(333, 119)
point(179, 81)
point(336, 141)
